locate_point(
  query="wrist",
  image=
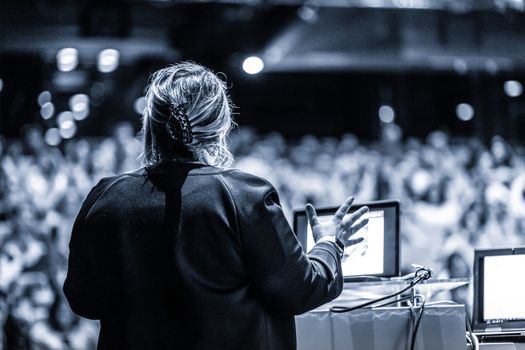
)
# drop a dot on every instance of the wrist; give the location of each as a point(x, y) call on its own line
point(326, 238)
point(338, 245)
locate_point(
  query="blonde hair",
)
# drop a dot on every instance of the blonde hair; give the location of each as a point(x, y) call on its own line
point(209, 112)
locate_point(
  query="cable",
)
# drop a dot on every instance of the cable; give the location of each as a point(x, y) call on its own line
point(394, 301)
point(474, 343)
point(418, 321)
point(341, 309)
point(421, 274)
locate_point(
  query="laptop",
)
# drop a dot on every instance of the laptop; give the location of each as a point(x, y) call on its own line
point(377, 257)
point(499, 294)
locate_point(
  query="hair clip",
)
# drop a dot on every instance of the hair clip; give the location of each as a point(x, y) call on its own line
point(178, 125)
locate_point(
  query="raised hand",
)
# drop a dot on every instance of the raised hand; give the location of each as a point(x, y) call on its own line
point(339, 226)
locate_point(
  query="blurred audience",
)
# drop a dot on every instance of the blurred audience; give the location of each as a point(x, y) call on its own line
point(456, 195)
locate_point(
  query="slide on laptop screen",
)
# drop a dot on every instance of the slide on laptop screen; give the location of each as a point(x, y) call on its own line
point(377, 255)
point(504, 294)
point(499, 293)
point(365, 258)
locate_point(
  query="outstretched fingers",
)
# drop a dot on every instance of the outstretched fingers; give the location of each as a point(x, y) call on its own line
point(353, 229)
point(343, 209)
point(359, 226)
point(311, 214)
point(355, 216)
point(355, 241)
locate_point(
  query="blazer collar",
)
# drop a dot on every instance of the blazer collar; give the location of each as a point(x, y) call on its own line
point(189, 168)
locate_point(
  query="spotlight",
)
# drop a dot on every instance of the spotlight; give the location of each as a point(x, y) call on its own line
point(43, 98)
point(253, 65)
point(513, 88)
point(108, 60)
point(140, 105)
point(79, 102)
point(64, 118)
point(68, 129)
point(47, 110)
point(464, 111)
point(1, 84)
point(52, 137)
point(81, 115)
point(386, 114)
point(460, 66)
point(307, 13)
point(67, 59)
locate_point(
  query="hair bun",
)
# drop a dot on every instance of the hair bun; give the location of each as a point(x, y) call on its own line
point(178, 125)
point(174, 118)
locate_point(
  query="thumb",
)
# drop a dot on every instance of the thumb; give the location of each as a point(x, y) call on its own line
point(311, 214)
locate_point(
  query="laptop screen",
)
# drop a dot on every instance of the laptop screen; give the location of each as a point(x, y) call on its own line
point(378, 254)
point(499, 287)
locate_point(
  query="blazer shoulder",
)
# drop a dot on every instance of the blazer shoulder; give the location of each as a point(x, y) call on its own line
point(238, 180)
point(236, 175)
point(103, 186)
point(106, 182)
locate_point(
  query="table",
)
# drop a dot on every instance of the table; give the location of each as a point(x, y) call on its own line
point(389, 328)
point(386, 328)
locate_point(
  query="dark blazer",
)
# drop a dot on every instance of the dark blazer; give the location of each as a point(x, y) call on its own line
point(187, 256)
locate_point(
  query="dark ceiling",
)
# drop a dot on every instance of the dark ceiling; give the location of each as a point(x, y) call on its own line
point(328, 66)
point(327, 37)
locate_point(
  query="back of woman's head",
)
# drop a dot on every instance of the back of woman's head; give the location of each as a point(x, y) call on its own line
point(187, 116)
